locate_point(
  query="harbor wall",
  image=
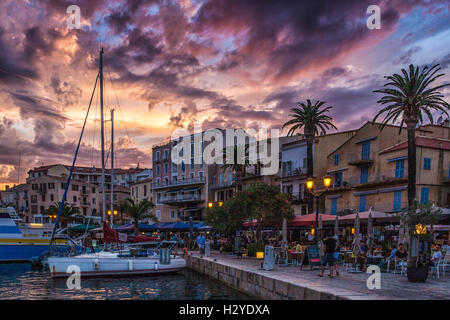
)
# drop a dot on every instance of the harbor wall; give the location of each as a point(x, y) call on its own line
point(255, 284)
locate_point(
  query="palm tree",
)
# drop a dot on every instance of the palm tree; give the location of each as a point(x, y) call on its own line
point(67, 213)
point(313, 120)
point(138, 210)
point(408, 97)
point(240, 162)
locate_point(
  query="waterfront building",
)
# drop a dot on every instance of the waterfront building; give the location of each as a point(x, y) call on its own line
point(293, 171)
point(45, 190)
point(126, 177)
point(120, 193)
point(17, 196)
point(371, 168)
point(141, 190)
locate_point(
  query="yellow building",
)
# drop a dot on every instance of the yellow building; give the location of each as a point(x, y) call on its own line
point(371, 168)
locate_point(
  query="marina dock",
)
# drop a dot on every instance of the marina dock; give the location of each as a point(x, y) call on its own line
point(246, 275)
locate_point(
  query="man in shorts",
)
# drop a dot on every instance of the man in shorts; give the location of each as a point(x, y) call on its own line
point(330, 247)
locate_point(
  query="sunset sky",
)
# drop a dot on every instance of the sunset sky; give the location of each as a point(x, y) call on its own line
point(226, 63)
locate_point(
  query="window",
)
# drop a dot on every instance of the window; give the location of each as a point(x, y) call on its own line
point(191, 176)
point(34, 199)
point(362, 203)
point(200, 175)
point(334, 206)
point(74, 198)
point(214, 180)
point(397, 201)
point(166, 154)
point(174, 168)
point(172, 214)
point(399, 168)
point(166, 168)
point(51, 185)
point(364, 174)
point(336, 159)
point(63, 185)
point(221, 178)
point(192, 163)
point(52, 197)
point(74, 187)
point(157, 170)
point(183, 167)
point(427, 163)
point(158, 214)
point(145, 190)
point(424, 194)
point(365, 151)
point(157, 156)
point(43, 197)
point(34, 186)
point(338, 179)
point(230, 177)
point(158, 197)
point(166, 181)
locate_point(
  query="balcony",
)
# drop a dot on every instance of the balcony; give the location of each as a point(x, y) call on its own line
point(223, 185)
point(177, 183)
point(361, 158)
point(296, 197)
point(387, 207)
point(181, 199)
point(296, 172)
point(381, 178)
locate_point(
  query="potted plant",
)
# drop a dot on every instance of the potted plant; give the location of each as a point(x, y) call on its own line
point(416, 218)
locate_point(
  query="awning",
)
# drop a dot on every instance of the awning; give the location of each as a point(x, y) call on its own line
point(81, 228)
point(365, 215)
point(309, 220)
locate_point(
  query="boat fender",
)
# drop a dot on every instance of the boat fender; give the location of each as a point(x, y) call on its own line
point(186, 253)
point(156, 265)
point(130, 265)
point(96, 264)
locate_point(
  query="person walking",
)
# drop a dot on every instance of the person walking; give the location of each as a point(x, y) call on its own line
point(336, 256)
point(330, 245)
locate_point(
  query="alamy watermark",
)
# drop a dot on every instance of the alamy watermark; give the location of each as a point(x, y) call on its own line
point(74, 280)
point(374, 280)
point(74, 20)
point(235, 146)
point(374, 20)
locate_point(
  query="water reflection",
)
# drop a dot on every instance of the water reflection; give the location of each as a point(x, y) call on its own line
point(22, 281)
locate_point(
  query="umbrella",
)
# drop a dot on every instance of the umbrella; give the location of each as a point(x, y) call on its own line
point(284, 232)
point(370, 230)
point(356, 247)
point(336, 226)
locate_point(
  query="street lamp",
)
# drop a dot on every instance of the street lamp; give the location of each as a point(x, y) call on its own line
point(317, 194)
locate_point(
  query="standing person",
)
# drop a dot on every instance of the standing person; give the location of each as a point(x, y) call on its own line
point(201, 243)
point(336, 255)
point(437, 255)
point(330, 247)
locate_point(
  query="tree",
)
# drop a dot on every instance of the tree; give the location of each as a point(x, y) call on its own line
point(313, 120)
point(240, 162)
point(138, 210)
point(408, 97)
point(267, 205)
point(67, 213)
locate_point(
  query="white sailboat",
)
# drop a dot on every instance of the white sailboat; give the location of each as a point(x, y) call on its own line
point(135, 261)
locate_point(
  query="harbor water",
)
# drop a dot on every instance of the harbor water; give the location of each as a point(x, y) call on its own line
point(24, 281)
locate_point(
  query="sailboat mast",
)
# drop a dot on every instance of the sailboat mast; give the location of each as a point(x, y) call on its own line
point(112, 165)
point(102, 135)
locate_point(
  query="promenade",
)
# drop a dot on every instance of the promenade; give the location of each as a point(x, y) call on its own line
point(245, 274)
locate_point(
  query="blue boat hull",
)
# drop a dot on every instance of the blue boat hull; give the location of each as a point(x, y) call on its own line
point(12, 253)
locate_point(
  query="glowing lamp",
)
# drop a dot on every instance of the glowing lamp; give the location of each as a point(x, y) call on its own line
point(259, 255)
point(210, 204)
point(115, 212)
point(353, 230)
point(420, 229)
point(327, 181)
point(109, 212)
point(309, 184)
point(220, 203)
point(312, 231)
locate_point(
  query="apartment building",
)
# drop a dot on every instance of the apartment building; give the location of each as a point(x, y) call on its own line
point(17, 196)
point(126, 177)
point(142, 190)
point(294, 166)
point(370, 169)
point(46, 190)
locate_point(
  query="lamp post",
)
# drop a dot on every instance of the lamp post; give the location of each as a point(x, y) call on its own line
point(317, 194)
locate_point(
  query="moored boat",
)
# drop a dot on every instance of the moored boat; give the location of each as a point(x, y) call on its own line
point(26, 242)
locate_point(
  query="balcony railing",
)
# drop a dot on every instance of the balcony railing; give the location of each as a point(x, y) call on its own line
point(296, 197)
point(381, 207)
point(225, 184)
point(181, 182)
point(381, 177)
point(359, 158)
point(294, 172)
point(181, 198)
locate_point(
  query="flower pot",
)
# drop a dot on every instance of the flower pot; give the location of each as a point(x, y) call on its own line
point(417, 273)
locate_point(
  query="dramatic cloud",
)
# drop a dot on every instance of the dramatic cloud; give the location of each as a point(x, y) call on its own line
point(168, 64)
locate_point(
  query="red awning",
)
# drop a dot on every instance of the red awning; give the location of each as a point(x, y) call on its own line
point(309, 220)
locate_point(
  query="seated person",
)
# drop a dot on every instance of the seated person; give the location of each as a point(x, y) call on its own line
point(361, 259)
point(363, 247)
point(437, 255)
point(401, 256)
point(298, 248)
